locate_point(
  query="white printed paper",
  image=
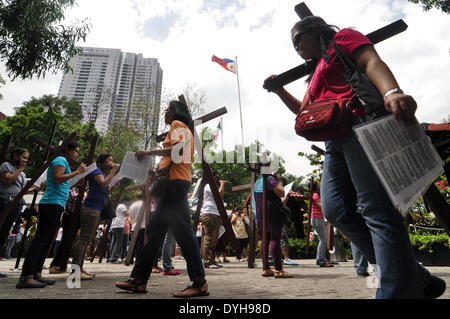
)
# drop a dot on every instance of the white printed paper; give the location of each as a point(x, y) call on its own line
point(134, 169)
point(76, 179)
point(41, 179)
point(115, 179)
point(403, 158)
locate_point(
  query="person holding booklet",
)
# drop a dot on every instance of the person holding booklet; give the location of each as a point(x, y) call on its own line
point(378, 230)
point(92, 206)
point(50, 208)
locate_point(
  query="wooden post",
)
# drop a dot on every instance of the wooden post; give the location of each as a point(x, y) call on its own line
point(40, 171)
point(300, 71)
point(208, 176)
point(252, 229)
point(76, 212)
point(143, 213)
point(5, 148)
point(309, 216)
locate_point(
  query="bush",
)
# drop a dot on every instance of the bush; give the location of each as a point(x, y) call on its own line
point(426, 240)
point(297, 248)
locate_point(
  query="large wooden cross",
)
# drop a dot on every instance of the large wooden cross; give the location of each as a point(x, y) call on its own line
point(305, 68)
point(208, 176)
point(59, 151)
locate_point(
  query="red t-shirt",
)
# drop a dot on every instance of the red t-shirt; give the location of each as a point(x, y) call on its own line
point(316, 211)
point(328, 80)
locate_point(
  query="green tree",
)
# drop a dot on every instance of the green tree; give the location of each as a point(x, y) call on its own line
point(229, 167)
point(443, 5)
point(36, 118)
point(119, 139)
point(33, 41)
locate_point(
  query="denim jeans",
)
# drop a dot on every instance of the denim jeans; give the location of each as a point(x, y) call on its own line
point(172, 211)
point(11, 242)
point(167, 250)
point(48, 224)
point(378, 228)
point(359, 261)
point(321, 230)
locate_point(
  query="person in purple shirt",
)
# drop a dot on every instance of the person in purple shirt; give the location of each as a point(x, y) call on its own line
point(93, 204)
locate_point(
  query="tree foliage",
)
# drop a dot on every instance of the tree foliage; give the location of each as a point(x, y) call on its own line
point(443, 5)
point(32, 39)
point(36, 118)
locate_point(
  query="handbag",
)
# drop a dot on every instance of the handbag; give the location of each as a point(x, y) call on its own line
point(366, 92)
point(160, 183)
point(323, 120)
point(109, 211)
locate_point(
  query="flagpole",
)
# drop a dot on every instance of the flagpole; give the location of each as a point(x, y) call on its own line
point(240, 108)
point(221, 128)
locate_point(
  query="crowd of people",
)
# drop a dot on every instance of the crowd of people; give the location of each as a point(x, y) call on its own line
point(350, 195)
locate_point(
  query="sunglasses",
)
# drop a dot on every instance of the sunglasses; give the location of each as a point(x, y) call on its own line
point(298, 38)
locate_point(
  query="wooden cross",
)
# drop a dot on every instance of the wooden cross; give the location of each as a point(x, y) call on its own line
point(144, 212)
point(55, 152)
point(5, 147)
point(76, 212)
point(306, 68)
point(208, 175)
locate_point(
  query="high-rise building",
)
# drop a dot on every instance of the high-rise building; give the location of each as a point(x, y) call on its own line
point(114, 86)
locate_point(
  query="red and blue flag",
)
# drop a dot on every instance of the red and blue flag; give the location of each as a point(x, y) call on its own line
point(227, 64)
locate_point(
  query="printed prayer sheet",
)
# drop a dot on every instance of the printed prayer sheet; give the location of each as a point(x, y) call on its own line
point(77, 178)
point(134, 169)
point(403, 158)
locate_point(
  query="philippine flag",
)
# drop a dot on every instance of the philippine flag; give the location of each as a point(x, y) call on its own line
point(227, 64)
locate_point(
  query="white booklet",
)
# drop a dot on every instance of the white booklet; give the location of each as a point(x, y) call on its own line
point(403, 158)
point(75, 179)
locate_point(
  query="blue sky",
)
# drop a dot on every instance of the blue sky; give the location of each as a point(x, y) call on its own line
point(184, 35)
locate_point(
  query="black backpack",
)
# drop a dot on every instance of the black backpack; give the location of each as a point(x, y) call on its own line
point(368, 94)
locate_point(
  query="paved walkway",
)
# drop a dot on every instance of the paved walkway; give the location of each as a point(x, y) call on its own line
point(234, 281)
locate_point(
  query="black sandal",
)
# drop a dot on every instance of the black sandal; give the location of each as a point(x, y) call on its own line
point(132, 285)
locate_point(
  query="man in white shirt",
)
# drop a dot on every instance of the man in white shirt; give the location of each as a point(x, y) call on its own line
point(118, 224)
point(211, 222)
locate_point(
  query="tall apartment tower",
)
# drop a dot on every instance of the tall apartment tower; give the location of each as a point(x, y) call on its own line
point(115, 86)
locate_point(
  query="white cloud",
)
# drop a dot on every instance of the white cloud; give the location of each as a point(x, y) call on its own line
point(258, 33)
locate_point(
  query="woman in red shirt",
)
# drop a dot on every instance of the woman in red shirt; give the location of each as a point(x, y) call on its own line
point(378, 230)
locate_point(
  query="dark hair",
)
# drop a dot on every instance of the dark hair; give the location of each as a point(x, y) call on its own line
point(71, 146)
point(326, 33)
point(101, 159)
point(18, 151)
point(181, 112)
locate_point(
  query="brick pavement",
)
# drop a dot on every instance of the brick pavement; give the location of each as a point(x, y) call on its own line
point(234, 281)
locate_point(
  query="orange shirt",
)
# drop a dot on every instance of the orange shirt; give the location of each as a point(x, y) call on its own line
point(180, 169)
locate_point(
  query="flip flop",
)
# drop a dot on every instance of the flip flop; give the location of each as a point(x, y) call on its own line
point(198, 293)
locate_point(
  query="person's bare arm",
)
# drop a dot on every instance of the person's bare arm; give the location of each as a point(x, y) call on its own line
point(59, 176)
point(291, 102)
point(104, 181)
point(403, 106)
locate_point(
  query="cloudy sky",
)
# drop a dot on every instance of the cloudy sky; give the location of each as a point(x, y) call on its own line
point(184, 35)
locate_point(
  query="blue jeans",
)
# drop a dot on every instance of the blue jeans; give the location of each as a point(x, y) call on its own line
point(378, 229)
point(319, 227)
point(359, 260)
point(167, 250)
point(171, 211)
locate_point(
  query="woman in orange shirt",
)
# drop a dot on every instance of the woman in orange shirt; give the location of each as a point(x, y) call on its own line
point(172, 209)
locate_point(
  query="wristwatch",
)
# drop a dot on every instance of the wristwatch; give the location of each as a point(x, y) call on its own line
point(396, 90)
